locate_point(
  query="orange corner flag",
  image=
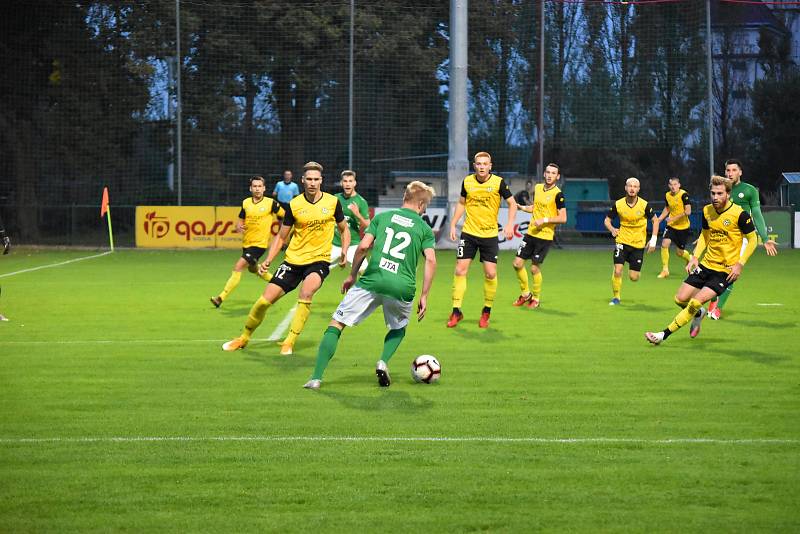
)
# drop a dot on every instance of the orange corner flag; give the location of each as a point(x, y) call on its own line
point(104, 202)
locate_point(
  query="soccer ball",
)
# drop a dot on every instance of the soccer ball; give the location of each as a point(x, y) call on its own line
point(426, 369)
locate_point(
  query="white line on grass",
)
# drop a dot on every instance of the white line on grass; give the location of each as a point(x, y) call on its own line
point(282, 326)
point(384, 439)
point(769, 304)
point(118, 341)
point(55, 264)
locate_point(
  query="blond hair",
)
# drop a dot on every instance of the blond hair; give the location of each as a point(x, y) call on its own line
point(312, 166)
point(720, 180)
point(482, 155)
point(632, 180)
point(416, 191)
point(347, 172)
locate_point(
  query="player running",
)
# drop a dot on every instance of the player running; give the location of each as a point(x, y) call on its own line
point(356, 213)
point(547, 210)
point(725, 227)
point(745, 196)
point(396, 239)
point(255, 221)
point(630, 238)
point(481, 194)
point(676, 212)
point(313, 216)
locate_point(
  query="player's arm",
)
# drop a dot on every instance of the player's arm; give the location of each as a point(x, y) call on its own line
point(361, 213)
point(427, 282)
point(561, 216)
point(458, 212)
point(344, 232)
point(240, 225)
point(358, 258)
point(280, 239)
point(651, 246)
point(505, 192)
point(699, 247)
point(687, 209)
point(664, 214)
point(614, 231)
point(749, 231)
point(761, 226)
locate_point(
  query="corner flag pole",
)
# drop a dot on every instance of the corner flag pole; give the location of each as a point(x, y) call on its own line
point(105, 209)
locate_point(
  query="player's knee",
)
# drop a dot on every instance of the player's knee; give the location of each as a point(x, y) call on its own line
point(694, 305)
point(680, 302)
point(634, 276)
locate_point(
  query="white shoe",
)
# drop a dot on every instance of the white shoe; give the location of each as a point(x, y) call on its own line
point(696, 320)
point(654, 337)
point(382, 372)
point(286, 349)
point(313, 384)
point(3, 317)
point(234, 344)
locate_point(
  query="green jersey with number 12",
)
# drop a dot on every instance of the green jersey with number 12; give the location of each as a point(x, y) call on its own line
point(400, 237)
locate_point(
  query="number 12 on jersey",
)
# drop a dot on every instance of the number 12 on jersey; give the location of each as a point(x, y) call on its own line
point(403, 240)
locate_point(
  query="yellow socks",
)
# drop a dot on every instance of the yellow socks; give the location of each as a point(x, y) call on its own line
point(664, 259)
point(685, 256)
point(459, 288)
point(255, 317)
point(231, 284)
point(267, 276)
point(685, 315)
point(536, 290)
point(298, 321)
point(489, 291)
point(522, 276)
point(616, 286)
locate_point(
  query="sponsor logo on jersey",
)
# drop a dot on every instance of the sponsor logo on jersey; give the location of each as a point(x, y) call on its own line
point(402, 221)
point(388, 265)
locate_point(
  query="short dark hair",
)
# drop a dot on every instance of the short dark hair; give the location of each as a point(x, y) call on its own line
point(257, 178)
point(734, 162)
point(554, 165)
point(674, 178)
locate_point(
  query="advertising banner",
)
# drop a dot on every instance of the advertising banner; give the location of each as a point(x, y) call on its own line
point(779, 226)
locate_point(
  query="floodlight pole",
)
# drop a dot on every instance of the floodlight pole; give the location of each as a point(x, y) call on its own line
point(178, 108)
point(540, 122)
point(457, 162)
point(350, 105)
point(709, 75)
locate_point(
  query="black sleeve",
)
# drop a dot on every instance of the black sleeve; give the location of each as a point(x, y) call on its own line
point(560, 201)
point(613, 211)
point(648, 212)
point(338, 215)
point(685, 199)
point(746, 223)
point(288, 218)
point(275, 206)
point(242, 214)
point(505, 192)
point(463, 190)
point(705, 222)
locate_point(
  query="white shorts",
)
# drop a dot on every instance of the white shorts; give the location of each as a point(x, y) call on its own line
point(336, 253)
point(359, 304)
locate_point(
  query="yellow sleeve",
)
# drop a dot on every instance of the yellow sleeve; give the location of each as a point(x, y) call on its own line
point(700, 247)
point(752, 243)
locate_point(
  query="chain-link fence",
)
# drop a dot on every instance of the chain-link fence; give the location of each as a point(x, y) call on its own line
point(179, 102)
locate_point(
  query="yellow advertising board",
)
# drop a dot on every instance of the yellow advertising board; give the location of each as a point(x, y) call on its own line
point(189, 227)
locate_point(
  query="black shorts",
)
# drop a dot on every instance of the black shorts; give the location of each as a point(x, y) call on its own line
point(252, 254)
point(678, 237)
point(634, 256)
point(469, 245)
point(289, 276)
point(534, 249)
point(702, 277)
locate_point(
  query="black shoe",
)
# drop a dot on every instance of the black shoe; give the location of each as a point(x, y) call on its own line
point(216, 301)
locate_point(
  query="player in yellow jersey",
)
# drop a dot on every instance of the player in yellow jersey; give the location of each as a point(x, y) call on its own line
point(725, 227)
point(676, 212)
point(547, 210)
point(631, 236)
point(481, 194)
point(313, 217)
point(255, 222)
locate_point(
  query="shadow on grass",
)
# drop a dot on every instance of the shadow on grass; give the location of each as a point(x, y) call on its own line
point(551, 311)
point(474, 334)
point(766, 324)
point(387, 399)
point(763, 358)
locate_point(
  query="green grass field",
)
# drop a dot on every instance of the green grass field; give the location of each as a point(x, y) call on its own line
point(121, 412)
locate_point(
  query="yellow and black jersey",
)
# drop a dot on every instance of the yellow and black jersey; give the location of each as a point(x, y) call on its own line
point(546, 203)
point(676, 203)
point(632, 221)
point(723, 233)
point(258, 218)
point(314, 224)
point(482, 202)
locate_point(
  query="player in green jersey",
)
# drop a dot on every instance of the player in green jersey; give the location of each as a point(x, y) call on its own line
point(356, 213)
point(396, 238)
point(745, 196)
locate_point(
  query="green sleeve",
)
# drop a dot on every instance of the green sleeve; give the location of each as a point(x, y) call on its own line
point(364, 208)
point(758, 217)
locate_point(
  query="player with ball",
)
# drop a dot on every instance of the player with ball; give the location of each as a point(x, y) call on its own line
point(395, 240)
